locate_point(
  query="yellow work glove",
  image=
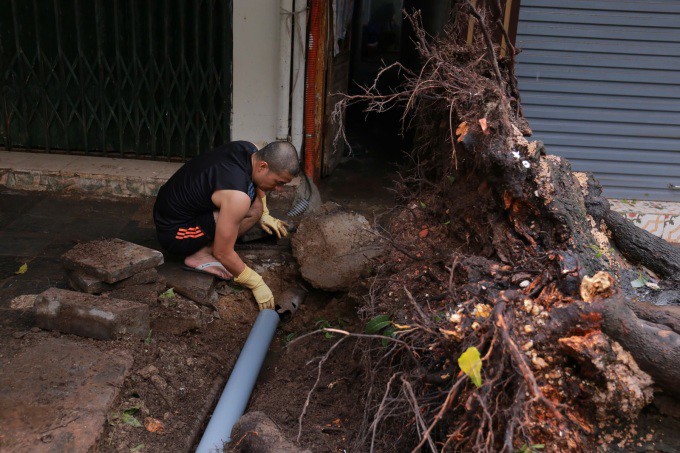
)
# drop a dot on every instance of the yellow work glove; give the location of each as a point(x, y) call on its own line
point(270, 224)
point(252, 280)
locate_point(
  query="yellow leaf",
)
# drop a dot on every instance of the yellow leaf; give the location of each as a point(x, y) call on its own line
point(461, 131)
point(470, 363)
point(401, 326)
point(22, 269)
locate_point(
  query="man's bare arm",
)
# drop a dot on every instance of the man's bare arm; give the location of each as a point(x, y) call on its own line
point(233, 206)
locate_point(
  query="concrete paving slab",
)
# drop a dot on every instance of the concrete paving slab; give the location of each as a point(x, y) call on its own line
point(111, 260)
point(81, 281)
point(54, 396)
point(146, 293)
point(84, 174)
point(198, 287)
point(91, 316)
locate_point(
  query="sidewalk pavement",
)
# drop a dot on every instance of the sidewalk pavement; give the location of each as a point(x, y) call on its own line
point(111, 177)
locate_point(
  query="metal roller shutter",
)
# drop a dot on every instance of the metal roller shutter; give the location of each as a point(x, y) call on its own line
point(600, 85)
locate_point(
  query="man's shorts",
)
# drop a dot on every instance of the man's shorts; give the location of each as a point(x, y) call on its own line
point(188, 237)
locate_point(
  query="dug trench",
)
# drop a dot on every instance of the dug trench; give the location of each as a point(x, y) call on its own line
point(156, 393)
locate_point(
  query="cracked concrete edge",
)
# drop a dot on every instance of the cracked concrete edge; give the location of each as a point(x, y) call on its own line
point(80, 183)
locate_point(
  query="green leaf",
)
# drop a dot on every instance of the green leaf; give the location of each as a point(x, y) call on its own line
point(423, 205)
point(148, 337)
point(451, 178)
point(130, 420)
point(169, 294)
point(22, 269)
point(470, 363)
point(389, 332)
point(378, 323)
point(288, 338)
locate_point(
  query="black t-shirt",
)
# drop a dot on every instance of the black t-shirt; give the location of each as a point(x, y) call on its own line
point(188, 192)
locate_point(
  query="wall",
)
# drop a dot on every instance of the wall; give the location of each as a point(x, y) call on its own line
point(255, 70)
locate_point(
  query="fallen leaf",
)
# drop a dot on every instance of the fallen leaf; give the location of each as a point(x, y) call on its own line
point(130, 420)
point(470, 363)
point(462, 131)
point(423, 233)
point(169, 294)
point(376, 324)
point(154, 425)
point(22, 269)
point(484, 126)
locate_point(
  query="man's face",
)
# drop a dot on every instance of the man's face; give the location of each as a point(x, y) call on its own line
point(268, 180)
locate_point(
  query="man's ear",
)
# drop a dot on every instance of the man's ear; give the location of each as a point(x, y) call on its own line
point(262, 165)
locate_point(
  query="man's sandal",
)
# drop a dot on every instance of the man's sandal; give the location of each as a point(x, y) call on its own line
point(200, 269)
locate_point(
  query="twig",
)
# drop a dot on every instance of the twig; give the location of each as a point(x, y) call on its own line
point(447, 403)
point(316, 383)
point(381, 409)
point(416, 411)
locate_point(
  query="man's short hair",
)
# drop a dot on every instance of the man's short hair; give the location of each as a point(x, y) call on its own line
point(281, 156)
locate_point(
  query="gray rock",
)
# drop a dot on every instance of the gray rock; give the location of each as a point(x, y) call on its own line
point(335, 247)
point(254, 432)
point(91, 316)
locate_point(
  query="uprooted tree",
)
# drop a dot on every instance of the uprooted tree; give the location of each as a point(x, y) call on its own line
point(501, 247)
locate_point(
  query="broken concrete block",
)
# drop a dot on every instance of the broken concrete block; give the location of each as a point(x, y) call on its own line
point(335, 247)
point(91, 316)
point(180, 315)
point(56, 394)
point(145, 294)
point(198, 287)
point(111, 260)
point(81, 281)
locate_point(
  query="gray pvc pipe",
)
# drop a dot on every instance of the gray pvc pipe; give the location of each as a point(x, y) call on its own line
point(237, 392)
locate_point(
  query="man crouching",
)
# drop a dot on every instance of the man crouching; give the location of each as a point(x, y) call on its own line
point(218, 196)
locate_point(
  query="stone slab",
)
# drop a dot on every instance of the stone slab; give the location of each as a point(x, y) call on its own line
point(81, 281)
point(54, 396)
point(91, 316)
point(198, 287)
point(144, 294)
point(111, 260)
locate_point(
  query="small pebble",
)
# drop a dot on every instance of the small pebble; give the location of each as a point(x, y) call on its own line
point(524, 283)
point(18, 335)
point(539, 363)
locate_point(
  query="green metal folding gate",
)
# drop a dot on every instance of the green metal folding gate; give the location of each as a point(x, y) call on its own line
point(115, 77)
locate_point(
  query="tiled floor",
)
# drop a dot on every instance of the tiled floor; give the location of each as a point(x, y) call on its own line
point(659, 218)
